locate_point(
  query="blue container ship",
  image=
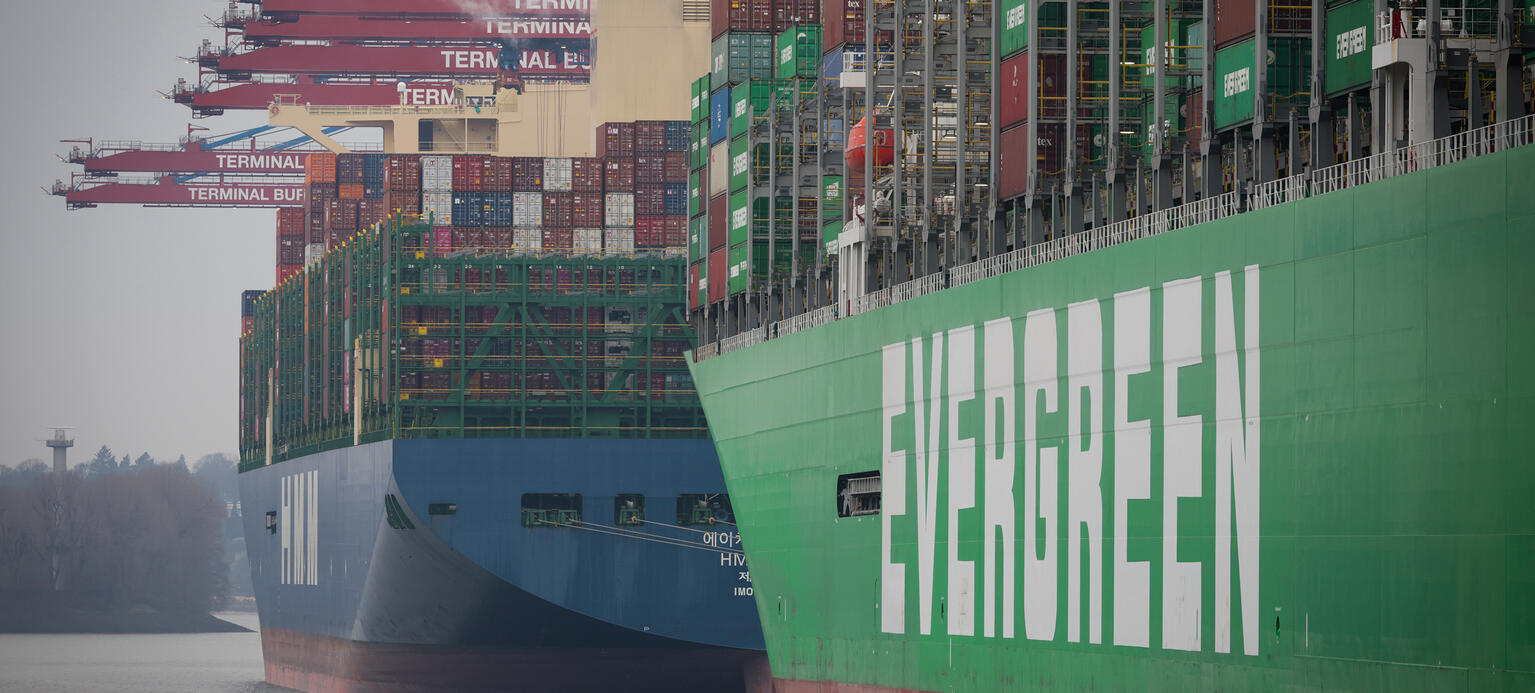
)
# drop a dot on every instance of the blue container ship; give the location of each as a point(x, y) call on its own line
point(486, 471)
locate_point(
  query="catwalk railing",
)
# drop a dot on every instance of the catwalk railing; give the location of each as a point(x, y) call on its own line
point(1410, 159)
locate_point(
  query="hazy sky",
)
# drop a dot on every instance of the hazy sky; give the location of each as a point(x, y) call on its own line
point(121, 321)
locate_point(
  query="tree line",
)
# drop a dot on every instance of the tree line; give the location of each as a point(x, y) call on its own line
point(114, 534)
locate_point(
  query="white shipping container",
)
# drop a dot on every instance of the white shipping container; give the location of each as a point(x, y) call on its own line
point(719, 169)
point(437, 205)
point(313, 252)
point(437, 173)
point(528, 209)
point(618, 209)
point(618, 240)
point(527, 239)
point(587, 240)
point(557, 175)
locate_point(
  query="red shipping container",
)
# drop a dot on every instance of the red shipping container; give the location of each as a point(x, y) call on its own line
point(649, 230)
point(527, 174)
point(403, 201)
point(402, 172)
point(350, 191)
point(676, 233)
point(719, 264)
point(1194, 115)
point(1012, 90)
point(558, 240)
point(841, 22)
point(371, 211)
point(719, 222)
point(285, 271)
point(586, 174)
point(498, 237)
point(248, 322)
point(442, 240)
point(558, 209)
point(469, 172)
point(290, 222)
point(692, 287)
point(467, 237)
point(349, 168)
point(499, 176)
point(761, 14)
point(649, 136)
point(651, 168)
point(1234, 20)
point(676, 167)
point(649, 199)
point(586, 210)
point(1012, 173)
point(290, 250)
point(727, 15)
point(341, 215)
point(615, 139)
point(787, 13)
point(618, 174)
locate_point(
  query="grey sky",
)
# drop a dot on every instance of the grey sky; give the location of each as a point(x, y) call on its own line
point(120, 320)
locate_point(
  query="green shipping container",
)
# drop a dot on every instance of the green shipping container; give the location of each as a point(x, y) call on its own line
point(740, 164)
point(738, 57)
point(698, 152)
point(739, 268)
point(698, 231)
point(740, 111)
point(695, 194)
point(740, 218)
point(799, 52)
point(703, 282)
point(1350, 36)
point(829, 234)
point(831, 198)
point(783, 254)
point(1172, 110)
point(762, 216)
point(1195, 36)
point(1177, 31)
point(1015, 25)
point(1289, 62)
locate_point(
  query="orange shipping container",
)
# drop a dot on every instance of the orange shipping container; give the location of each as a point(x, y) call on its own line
point(351, 191)
point(320, 168)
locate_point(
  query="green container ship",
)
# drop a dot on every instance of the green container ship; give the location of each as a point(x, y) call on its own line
point(1242, 406)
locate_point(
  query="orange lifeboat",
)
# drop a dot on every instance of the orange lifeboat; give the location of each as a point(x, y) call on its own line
point(884, 147)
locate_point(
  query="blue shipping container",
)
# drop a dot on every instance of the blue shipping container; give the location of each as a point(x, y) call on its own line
point(498, 208)
point(719, 115)
point(676, 198)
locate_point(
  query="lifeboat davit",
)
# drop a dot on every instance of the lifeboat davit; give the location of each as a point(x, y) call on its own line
point(884, 147)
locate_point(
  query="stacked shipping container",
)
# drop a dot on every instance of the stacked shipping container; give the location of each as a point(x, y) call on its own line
point(382, 339)
point(732, 229)
point(631, 197)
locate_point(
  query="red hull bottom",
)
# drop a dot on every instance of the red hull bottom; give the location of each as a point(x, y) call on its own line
point(322, 664)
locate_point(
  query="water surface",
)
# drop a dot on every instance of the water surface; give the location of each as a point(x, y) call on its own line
point(156, 663)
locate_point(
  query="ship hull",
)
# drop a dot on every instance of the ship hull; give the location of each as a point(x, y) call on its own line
point(1286, 450)
point(407, 566)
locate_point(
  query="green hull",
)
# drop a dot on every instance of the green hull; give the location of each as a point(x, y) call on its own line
point(1287, 450)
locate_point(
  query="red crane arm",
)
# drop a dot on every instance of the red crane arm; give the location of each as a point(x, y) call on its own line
point(165, 192)
point(412, 61)
point(354, 28)
point(195, 159)
point(454, 8)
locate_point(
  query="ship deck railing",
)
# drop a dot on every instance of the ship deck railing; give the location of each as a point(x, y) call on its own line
point(1376, 167)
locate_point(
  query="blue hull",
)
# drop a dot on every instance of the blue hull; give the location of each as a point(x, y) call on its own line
point(407, 566)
